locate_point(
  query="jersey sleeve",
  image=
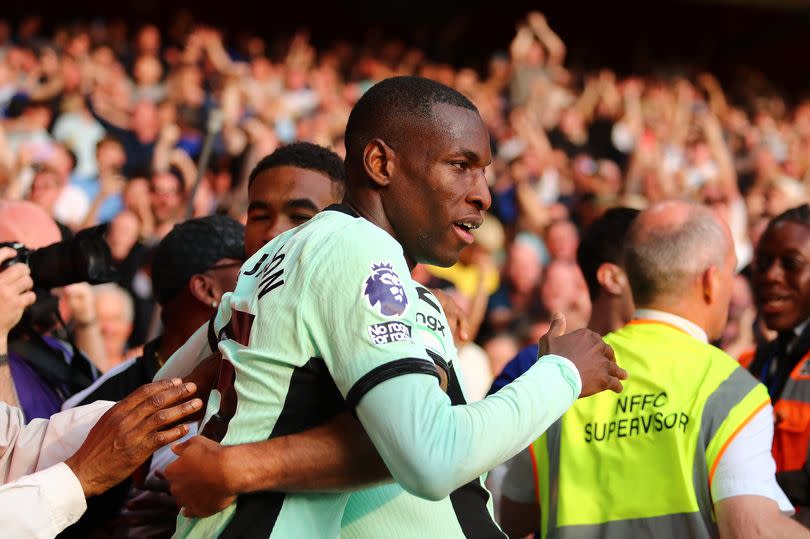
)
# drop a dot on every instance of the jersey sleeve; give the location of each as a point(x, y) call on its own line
point(432, 447)
point(360, 311)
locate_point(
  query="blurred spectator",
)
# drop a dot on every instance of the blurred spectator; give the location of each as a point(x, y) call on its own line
point(782, 194)
point(519, 288)
point(104, 188)
point(600, 258)
point(115, 313)
point(79, 131)
point(167, 195)
point(561, 240)
point(45, 189)
point(137, 132)
point(564, 291)
point(72, 205)
point(501, 348)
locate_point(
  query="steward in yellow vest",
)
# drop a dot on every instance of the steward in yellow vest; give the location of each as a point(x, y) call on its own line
point(684, 450)
point(641, 464)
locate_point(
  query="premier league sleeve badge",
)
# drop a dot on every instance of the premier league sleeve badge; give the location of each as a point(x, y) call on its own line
point(384, 291)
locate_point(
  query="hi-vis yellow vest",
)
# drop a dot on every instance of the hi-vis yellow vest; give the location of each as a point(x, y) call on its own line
point(641, 463)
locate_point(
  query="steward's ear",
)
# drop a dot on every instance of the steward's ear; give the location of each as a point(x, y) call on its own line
point(378, 162)
point(710, 282)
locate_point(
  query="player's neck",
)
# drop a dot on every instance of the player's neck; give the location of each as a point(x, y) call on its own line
point(372, 211)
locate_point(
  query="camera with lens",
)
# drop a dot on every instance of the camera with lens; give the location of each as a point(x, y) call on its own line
point(86, 257)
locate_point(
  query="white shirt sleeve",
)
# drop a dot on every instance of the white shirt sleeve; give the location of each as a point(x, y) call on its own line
point(747, 466)
point(25, 449)
point(42, 504)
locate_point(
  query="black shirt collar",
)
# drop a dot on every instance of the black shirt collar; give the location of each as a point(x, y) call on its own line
point(342, 208)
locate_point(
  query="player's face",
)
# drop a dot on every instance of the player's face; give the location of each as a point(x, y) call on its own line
point(782, 276)
point(282, 198)
point(440, 192)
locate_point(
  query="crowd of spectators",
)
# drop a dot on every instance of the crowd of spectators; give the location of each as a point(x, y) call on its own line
point(104, 123)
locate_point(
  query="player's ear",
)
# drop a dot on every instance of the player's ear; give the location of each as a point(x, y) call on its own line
point(378, 162)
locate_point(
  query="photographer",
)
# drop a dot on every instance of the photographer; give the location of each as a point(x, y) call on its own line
point(44, 364)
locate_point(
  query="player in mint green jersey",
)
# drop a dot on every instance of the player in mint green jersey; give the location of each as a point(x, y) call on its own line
point(326, 316)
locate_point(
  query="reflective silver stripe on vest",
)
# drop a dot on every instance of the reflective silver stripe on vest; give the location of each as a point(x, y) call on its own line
point(698, 525)
point(681, 525)
point(796, 390)
point(553, 445)
point(719, 404)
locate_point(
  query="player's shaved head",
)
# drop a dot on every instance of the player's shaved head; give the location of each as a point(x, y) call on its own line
point(671, 243)
point(394, 111)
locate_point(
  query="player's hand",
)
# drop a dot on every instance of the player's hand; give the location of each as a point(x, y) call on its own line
point(199, 478)
point(592, 356)
point(456, 318)
point(130, 432)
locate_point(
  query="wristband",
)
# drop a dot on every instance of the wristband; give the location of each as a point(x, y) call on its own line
point(3, 359)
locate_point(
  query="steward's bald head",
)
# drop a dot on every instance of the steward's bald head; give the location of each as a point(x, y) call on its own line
point(669, 245)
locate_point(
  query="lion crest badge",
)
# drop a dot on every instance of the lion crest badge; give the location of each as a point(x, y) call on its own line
point(384, 291)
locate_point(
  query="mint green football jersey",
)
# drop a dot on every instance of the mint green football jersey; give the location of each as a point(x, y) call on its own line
point(319, 316)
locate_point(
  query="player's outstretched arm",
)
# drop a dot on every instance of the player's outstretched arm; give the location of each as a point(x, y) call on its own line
point(432, 448)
